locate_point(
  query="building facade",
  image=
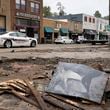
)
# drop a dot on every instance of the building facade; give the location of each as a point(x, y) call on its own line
point(22, 15)
point(91, 26)
point(53, 28)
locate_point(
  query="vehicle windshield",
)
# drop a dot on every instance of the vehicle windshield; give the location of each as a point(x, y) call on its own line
point(65, 37)
point(20, 34)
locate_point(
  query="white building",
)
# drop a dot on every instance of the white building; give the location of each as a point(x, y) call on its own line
point(101, 25)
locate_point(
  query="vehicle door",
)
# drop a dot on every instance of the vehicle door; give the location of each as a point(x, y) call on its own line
point(22, 40)
point(13, 37)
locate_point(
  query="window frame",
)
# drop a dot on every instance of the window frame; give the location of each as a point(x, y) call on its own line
point(21, 5)
point(90, 19)
point(36, 7)
point(85, 18)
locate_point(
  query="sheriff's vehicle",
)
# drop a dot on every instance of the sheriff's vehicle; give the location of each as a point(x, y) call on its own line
point(13, 38)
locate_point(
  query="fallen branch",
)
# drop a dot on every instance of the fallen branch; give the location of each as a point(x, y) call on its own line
point(38, 97)
point(24, 98)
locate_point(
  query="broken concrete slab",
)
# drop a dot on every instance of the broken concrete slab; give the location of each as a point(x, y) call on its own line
point(78, 80)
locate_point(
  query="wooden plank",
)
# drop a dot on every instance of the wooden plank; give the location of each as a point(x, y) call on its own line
point(58, 103)
point(38, 97)
point(67, 101)
point(24, 98)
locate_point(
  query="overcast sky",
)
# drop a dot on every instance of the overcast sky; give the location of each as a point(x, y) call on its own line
point(80, 6)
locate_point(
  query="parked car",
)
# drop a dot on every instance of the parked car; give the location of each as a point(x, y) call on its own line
point(64, 40)
point(81, 39)
point(13, 38)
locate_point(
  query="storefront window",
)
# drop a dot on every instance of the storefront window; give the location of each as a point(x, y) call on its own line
point(17, 4)
point(21, 22)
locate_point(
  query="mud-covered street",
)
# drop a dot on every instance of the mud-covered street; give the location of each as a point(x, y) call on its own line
point(38, 63)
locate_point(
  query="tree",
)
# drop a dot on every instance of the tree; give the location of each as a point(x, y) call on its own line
point(106, 17)
point(97, 14)
point(61, 9)
point(47, 11)
point(55, 14)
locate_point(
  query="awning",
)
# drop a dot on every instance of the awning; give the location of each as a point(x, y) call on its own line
point(103, 33)
point(48, 29)
point(90, 32)
point(64, 30)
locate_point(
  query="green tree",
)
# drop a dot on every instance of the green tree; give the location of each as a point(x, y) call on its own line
point(55, 14)
point(97, 14)
point(61, 9)
point(47, 11)
point(106, 17)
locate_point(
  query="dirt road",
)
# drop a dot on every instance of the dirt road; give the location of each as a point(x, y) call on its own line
point(64, 51)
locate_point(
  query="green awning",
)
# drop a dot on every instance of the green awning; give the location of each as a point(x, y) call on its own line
point(48, 29)
point(64, 30)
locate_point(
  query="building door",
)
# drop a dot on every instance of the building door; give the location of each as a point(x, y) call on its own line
point(30, 32)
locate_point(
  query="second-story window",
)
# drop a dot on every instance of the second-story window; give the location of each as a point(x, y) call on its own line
point(85, 18)
point(21, 4)
point(100, 26)
point(93, 20)
point(17, 4)
point(90, 20)
point(34, 7)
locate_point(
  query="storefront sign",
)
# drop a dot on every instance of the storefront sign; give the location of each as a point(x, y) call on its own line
point(27, 15)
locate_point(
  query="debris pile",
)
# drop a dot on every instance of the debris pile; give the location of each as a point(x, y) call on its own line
point(71, 86)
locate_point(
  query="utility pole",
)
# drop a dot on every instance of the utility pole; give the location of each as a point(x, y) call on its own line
point(109, 12)
point(109, 23)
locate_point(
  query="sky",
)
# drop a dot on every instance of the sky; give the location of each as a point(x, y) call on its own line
point(80, 6)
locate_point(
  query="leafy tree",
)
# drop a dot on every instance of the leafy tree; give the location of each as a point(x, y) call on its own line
point(61, 9)
point(106, 17)
point(55, 14)
point(47, 11)
point(97, 14)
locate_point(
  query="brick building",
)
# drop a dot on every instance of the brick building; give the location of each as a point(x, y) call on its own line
point(22, 15)
point(53, 28)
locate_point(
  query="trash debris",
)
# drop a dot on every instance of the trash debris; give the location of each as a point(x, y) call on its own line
point(59, 103)
point(22, 88)
point(79, 81)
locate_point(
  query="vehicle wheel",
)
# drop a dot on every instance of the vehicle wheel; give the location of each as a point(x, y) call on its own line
point(64, 42)
point(81, 42)
point(33, 44)
point(71, 42)
point(8, 44)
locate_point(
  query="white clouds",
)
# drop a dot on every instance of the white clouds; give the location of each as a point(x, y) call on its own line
point(80, 6)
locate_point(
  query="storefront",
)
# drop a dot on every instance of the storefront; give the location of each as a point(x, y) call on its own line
point(48, 34)
point(64, 31)
point(22, 15)
point(89, 34)
point(31, 26)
